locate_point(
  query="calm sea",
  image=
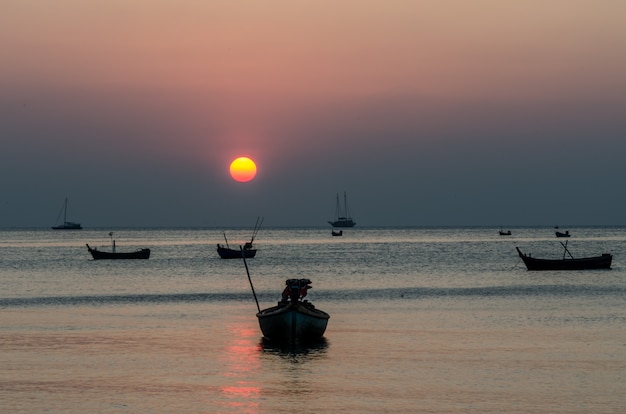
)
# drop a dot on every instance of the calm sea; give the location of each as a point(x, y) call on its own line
point(422, 320)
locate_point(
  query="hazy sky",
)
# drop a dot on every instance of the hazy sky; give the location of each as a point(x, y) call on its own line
point(427, 112)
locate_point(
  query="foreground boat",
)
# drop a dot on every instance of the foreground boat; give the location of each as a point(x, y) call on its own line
point(583, 263)
point(293, 319)
point(114, 254)
point(561, 234)
point(66, 225)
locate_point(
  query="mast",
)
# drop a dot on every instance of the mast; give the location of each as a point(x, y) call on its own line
point(345, 205)
point(65, 212)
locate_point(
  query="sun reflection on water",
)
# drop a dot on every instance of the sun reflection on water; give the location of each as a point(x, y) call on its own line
point(242, 364)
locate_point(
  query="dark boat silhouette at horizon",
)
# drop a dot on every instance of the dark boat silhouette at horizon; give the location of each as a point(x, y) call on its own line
point(571, 263)
point(248, 250)
point(342, 214)
point(66, 225)
point(115, 255)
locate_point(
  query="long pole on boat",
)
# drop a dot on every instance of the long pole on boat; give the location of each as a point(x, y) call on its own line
point(257, 226)
point(566, 250)
point(243, 256)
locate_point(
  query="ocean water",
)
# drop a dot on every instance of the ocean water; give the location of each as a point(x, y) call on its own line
point(423, 320)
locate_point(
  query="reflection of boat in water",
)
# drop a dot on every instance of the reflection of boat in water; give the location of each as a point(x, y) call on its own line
point(66, 225)
point(310, 350)
point(248, 249)
point(115, 255)
point(583, 263)
point(342, 215)
point(293, 319)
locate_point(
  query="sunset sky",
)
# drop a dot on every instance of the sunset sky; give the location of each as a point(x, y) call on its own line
point(427, 112)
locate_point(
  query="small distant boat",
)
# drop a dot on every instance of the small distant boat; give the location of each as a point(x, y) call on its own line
point(114, 254)
point(337, 233)
point(505, 233)
point(584, 263)
point(248, 250)
point(66, 225)
point(561, 234)
point(342, 215)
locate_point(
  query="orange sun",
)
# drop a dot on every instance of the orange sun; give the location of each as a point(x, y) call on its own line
point(243, 169)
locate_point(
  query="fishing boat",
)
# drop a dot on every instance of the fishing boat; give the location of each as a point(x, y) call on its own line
point(248, 251)
point(337, 233)
point(66, 225)
point(114, 254)
point(342, 215)
point(567, 263)
point(561, 234)
point(505, 233)
point(226, 252)
point(294, 319)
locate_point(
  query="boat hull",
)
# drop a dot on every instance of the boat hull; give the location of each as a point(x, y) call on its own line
point(68, 225)
point(342, 223)
point(293, 322)
point(226, 253)
point(100, 255)
point(584, 263)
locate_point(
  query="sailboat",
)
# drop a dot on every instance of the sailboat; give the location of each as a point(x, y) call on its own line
point(342, 215)
point(67, 225)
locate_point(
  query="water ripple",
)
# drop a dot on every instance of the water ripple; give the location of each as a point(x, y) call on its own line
point(325, 295)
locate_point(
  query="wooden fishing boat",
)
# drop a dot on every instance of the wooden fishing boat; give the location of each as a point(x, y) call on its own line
point(66, 225)
point(505, 233)
point(102, 255)
point(342, 215)
point(571, 263)
point(248, 251)
point(561, 234)
point(114, 254)
point(293, 319)
point(337, 233)
point(226, 252)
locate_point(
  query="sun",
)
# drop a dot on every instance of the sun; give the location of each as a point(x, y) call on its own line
point(243, 169)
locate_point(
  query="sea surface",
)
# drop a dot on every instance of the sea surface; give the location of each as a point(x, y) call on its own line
point(423, 320)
